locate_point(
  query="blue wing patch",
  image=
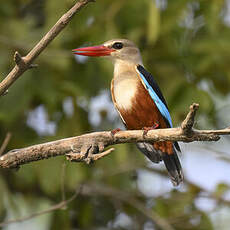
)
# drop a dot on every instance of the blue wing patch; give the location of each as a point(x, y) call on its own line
point(156, 94)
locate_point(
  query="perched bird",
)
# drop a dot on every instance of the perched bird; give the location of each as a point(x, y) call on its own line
point(138, 100)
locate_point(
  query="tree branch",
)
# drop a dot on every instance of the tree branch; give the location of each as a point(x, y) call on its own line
point(90, 147)
point(5, 143)
point(187, 124)
point(60, 205)
point(25, 63)
point(92, 189)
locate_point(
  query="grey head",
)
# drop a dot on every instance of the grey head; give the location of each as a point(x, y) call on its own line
point(125, 50)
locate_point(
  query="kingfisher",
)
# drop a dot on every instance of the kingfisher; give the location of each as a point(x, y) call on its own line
point(139, 100)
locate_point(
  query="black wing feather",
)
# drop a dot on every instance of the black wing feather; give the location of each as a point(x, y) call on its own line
point(148, 76)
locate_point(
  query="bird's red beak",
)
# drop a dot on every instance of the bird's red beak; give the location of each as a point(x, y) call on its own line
point(94, 51)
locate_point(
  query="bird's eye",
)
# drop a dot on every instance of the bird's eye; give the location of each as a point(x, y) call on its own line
point(117, 45)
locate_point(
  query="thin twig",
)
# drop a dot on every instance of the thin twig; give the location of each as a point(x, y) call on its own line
point(84, 147)
point(203, 192)
point(95, 189)
point(25, 63)
point(51, 209)
point(63, 172)
point(5, 143)
point(81, 157)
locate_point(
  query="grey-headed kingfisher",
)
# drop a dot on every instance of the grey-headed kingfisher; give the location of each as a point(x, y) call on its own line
point(138, 100)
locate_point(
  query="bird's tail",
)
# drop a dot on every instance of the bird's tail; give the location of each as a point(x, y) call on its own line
point(164, 151)
point(172, 163)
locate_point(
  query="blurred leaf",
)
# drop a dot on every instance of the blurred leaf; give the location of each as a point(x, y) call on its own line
point(221, 189)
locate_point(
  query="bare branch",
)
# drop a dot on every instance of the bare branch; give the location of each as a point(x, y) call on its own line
point(84, 147)
point(95, 189)
point(33, 66)
point(60, 205)
point(5, 143)
point(81, 157)
point(63, 174)
point(19, 60)
point(187, 124)
point(25, 63)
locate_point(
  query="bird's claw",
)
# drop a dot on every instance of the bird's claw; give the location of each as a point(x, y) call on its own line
point(147, 129)
point(114, 131)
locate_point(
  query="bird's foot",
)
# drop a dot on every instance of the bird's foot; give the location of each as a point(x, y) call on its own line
point(146, 129)
point(114, 131)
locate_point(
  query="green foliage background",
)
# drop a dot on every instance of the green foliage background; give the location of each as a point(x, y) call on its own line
point(185, 44)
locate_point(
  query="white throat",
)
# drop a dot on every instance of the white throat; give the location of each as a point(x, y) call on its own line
point(121, 66)
point(125, 84)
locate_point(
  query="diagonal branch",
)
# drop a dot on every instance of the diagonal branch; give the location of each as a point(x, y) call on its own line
point(60, 205)
point(25, 63)
point(90, 147)
point(5, 143)
point(93, 189)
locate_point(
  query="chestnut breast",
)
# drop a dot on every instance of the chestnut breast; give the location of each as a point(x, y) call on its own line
point(134, 104)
